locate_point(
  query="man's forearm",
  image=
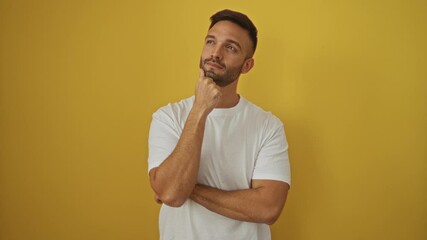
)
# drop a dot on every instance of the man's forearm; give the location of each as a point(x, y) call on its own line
point(174, 180)
point(260, 204)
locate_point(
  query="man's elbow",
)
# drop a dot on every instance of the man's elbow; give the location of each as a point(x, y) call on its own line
point(168, 193)
point(172, 201)
point(272, 215)
point(165, 195)
point(270, 220)
point(170, 197)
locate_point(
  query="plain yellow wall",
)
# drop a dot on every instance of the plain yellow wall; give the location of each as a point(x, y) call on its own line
point(80, 80)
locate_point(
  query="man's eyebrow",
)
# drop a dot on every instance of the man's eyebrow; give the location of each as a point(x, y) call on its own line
point(228, 40)
point(234, 42)
point(210, 36)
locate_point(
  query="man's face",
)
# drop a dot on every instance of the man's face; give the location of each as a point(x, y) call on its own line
point(225, 53)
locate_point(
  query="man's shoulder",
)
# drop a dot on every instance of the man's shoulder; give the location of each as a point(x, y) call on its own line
point(261, 114)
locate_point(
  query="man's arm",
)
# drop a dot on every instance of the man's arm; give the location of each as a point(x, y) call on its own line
point(174, 180)
point(262, 203)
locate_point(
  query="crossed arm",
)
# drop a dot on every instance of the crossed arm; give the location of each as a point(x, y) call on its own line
point(262, 203)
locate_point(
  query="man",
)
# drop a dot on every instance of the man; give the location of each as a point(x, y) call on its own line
point(218, 163)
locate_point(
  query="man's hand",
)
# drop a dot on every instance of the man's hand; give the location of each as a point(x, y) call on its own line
point(207, 94)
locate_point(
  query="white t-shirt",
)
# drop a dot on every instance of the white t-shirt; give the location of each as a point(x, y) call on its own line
point(240, 144)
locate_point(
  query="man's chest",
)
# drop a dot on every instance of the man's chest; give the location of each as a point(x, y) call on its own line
point(228, 156)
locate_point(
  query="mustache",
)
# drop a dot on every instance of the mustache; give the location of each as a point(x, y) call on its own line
point(214, 61)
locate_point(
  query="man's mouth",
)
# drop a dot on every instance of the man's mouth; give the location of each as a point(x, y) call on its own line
point(214, 65)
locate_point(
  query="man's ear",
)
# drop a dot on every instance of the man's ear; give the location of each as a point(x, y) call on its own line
point(248, 65)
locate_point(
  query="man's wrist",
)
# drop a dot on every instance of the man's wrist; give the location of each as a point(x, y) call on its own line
point(199, 112)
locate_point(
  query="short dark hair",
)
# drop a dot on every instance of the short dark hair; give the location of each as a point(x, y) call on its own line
point(238, 18)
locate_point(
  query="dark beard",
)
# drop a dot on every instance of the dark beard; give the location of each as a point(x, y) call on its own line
point(230, 75)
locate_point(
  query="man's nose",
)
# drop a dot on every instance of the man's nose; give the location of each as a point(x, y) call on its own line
point(216, 53)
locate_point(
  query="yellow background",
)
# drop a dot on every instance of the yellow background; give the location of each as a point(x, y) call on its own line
point(80, 80)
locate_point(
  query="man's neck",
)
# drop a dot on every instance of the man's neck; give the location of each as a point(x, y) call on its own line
point(229, 97)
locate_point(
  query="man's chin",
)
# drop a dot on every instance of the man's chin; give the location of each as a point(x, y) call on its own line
point(218, 80)
point(211, 74)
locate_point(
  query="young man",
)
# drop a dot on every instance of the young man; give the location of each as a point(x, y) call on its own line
point(217, 162)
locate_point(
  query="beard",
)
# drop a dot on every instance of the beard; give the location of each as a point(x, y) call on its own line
point(230, 75)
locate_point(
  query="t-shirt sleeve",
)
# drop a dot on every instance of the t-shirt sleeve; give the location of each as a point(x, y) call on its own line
point(273, 161)
point(162, 139)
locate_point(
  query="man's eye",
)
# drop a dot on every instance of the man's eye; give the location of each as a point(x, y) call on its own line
point(209, 41)
point(232, 48)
